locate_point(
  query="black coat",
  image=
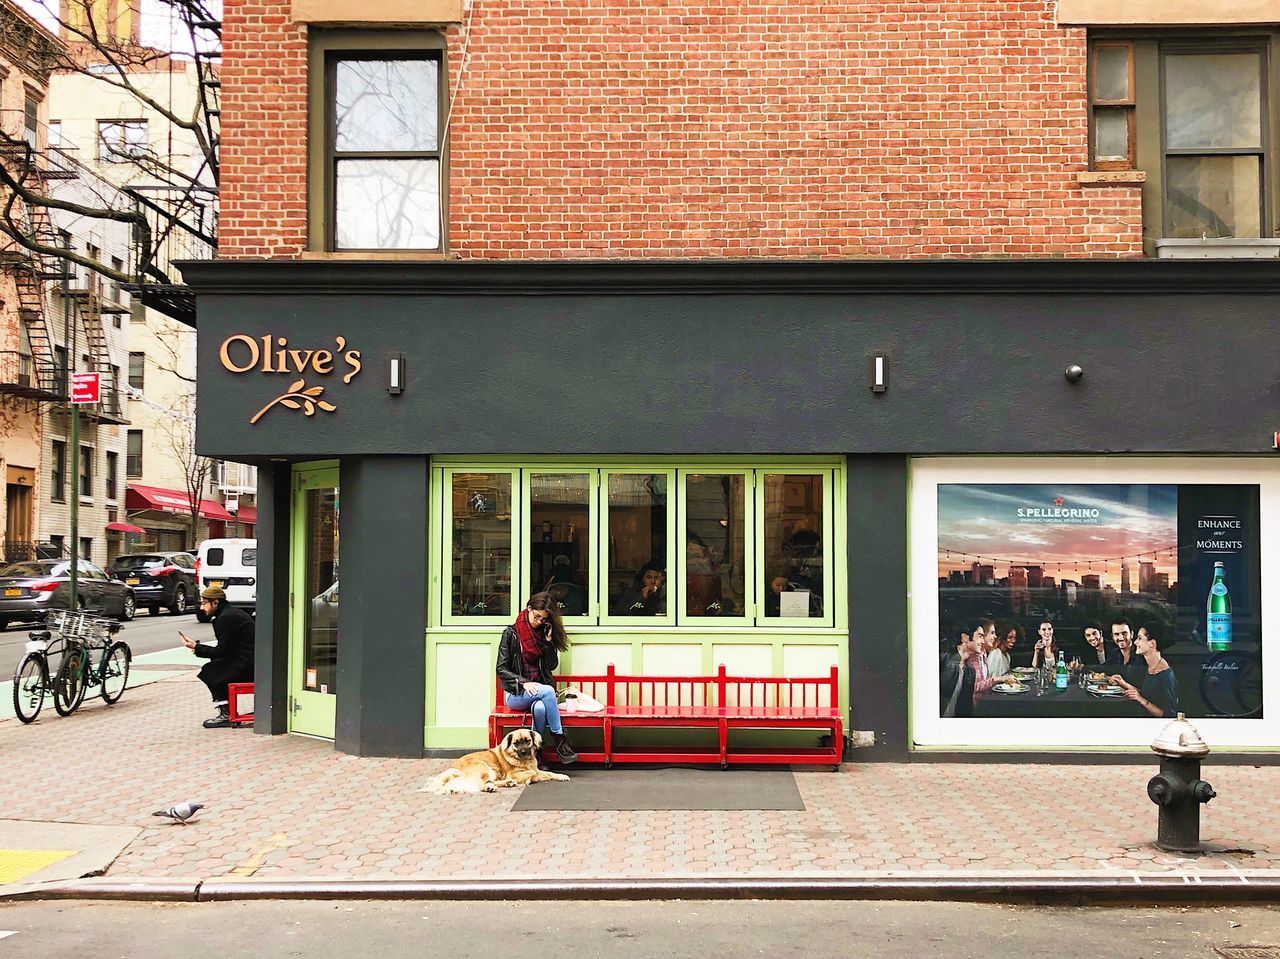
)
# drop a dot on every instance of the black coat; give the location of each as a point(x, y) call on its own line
point(511, 663)
point(231, 661)
point(954, 671)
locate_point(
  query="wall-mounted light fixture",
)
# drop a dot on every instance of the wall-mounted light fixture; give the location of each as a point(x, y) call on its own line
point(395, 374)
point(879, 373)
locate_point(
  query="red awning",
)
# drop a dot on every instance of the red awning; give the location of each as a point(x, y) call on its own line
point(247, 515)
point(139, 497)
point(125, 528)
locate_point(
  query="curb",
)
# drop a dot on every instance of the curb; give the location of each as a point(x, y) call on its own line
point(1028, 888)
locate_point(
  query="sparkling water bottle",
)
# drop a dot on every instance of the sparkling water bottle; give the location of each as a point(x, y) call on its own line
point(1218, 612)
point(1060, 675)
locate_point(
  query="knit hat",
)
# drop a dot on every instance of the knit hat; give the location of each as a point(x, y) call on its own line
point(214, 592)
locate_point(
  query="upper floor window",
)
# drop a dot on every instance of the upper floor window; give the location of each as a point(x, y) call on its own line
point(120, 141)
point(1111, 125)
point(31, 121)
point(378, 181)
point(1214, 147)
point(137, 370)
point(1197, 116)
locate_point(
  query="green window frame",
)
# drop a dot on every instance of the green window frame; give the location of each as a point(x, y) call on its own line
point(326, 48)
point(608, 617)
point(454, 569)
point(595, 611)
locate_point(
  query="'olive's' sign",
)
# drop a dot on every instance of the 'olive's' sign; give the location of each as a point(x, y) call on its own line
point(242, 353)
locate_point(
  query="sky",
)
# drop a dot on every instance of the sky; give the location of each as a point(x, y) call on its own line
point(983, 520)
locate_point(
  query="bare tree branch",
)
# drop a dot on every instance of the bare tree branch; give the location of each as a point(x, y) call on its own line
point(179, 190)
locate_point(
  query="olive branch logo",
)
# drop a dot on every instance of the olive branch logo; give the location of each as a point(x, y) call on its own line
point(297, 397)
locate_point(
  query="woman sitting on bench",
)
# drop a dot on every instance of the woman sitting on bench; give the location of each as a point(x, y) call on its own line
point(528, 654)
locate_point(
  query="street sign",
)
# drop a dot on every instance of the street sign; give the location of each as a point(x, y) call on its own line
point(86, 387)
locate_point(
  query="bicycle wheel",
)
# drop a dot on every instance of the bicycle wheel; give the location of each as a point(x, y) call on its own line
point(69, 684)
point(30, 683)
point(113, 674)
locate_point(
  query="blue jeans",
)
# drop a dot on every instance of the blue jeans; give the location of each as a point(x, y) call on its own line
point(542, 705)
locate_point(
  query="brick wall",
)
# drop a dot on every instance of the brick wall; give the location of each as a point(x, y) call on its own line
point(915, 128)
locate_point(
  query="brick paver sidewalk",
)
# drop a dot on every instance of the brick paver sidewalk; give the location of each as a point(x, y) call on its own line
point(289, 808)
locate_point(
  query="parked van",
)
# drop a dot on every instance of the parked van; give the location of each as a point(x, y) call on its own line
point(233, 565)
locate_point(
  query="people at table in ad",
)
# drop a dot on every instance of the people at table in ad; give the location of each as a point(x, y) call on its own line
point(1125, 660)
point(957, 676)
point(1046, 649)
point(1096, 652)
point(1158, 692)
point(1000, 657)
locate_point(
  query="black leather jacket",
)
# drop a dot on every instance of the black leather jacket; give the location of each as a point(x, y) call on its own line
point(511, 662)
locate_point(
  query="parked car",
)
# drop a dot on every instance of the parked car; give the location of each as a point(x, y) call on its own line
point(30, 589)
point(159, 579)
point(233, 565)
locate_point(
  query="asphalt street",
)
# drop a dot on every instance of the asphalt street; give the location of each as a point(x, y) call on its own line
point(623, 930)
point(145, 634)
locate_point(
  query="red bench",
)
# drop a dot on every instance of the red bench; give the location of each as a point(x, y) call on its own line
point(721, 702)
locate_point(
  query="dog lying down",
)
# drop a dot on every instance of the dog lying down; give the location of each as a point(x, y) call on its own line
point(513, 762)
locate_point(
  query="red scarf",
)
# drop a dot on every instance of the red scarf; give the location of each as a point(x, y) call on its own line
point(530, 643)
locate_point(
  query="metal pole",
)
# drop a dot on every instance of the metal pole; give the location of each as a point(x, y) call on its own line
point(73, 599)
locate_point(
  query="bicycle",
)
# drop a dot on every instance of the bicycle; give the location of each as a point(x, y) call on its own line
point(79, 635)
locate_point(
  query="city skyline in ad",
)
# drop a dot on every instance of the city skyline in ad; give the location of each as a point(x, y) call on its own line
point(1069, 532)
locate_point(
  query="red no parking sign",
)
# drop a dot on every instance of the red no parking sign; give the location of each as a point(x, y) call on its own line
point(86, 387)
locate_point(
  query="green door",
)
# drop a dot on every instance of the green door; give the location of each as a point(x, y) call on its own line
point(313, 614)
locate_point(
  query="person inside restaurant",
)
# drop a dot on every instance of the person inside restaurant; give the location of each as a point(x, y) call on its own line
point(648, 597)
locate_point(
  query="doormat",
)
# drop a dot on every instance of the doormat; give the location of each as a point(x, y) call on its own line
point(665, 788)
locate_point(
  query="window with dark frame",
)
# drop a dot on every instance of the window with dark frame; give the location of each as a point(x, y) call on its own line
point(137, 370)
point(1196, 114)
point(58, 475)
point(383, 161)
point(113, 475)
point(133, 454)
point(86, 472)
point(1215, 128)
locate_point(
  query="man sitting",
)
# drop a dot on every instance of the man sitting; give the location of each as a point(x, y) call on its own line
point(231, 660)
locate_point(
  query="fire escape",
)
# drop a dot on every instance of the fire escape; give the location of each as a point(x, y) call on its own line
point(35, 372)
point(31, 372)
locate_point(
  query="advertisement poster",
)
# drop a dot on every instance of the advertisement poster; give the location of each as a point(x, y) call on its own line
point(1104, 600)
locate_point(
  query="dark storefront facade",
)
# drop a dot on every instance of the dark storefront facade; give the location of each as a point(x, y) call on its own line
point(437, 440)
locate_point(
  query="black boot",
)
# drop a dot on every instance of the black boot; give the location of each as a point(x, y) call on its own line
point(564, 751)
point(220, 721)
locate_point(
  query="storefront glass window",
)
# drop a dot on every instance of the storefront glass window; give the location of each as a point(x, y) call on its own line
point(792, 581)
point(320, 639)
point(481, 509)
point(715, 544)
point(638, 555)
point(559, 539)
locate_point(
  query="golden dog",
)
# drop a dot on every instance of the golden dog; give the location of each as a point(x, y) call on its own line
point(513, 762)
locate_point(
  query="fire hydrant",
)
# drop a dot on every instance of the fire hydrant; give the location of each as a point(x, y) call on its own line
point(1178, 790)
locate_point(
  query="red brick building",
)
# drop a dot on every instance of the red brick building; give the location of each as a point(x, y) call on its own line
point(837, 255)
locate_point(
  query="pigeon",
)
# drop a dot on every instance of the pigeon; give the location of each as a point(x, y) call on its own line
point(181, 812)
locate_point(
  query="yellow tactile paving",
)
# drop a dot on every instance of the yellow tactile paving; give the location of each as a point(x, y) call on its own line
point(18, 864)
